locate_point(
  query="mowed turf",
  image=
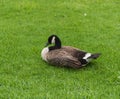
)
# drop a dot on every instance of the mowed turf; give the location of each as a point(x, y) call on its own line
point(91, 25)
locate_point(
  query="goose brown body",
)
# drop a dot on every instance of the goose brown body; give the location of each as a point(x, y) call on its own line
point(65, 56)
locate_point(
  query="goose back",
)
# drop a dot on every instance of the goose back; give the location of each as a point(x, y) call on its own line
point(63, 57)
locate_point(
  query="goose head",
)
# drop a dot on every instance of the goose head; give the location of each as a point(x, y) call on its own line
point(53, 39)
point(56, 44)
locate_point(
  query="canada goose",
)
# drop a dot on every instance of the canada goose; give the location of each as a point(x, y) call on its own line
point(65, 56)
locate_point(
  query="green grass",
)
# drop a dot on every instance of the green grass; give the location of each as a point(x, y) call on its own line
point(24, 28)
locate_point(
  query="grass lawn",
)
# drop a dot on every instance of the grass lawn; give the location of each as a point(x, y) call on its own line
point(91, 25)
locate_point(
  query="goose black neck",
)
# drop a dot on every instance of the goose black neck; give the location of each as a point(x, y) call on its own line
point(57, 44)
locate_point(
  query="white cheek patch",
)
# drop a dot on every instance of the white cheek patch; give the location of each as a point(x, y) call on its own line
point(87, 55)
point(44, 52)
point(53, 40)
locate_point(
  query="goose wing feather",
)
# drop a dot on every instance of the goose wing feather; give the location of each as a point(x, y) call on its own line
point(63, 58)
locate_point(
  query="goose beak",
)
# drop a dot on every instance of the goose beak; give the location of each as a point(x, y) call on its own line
point(46, 44)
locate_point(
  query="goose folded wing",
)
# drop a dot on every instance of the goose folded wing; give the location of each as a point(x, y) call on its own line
point(67, 61)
